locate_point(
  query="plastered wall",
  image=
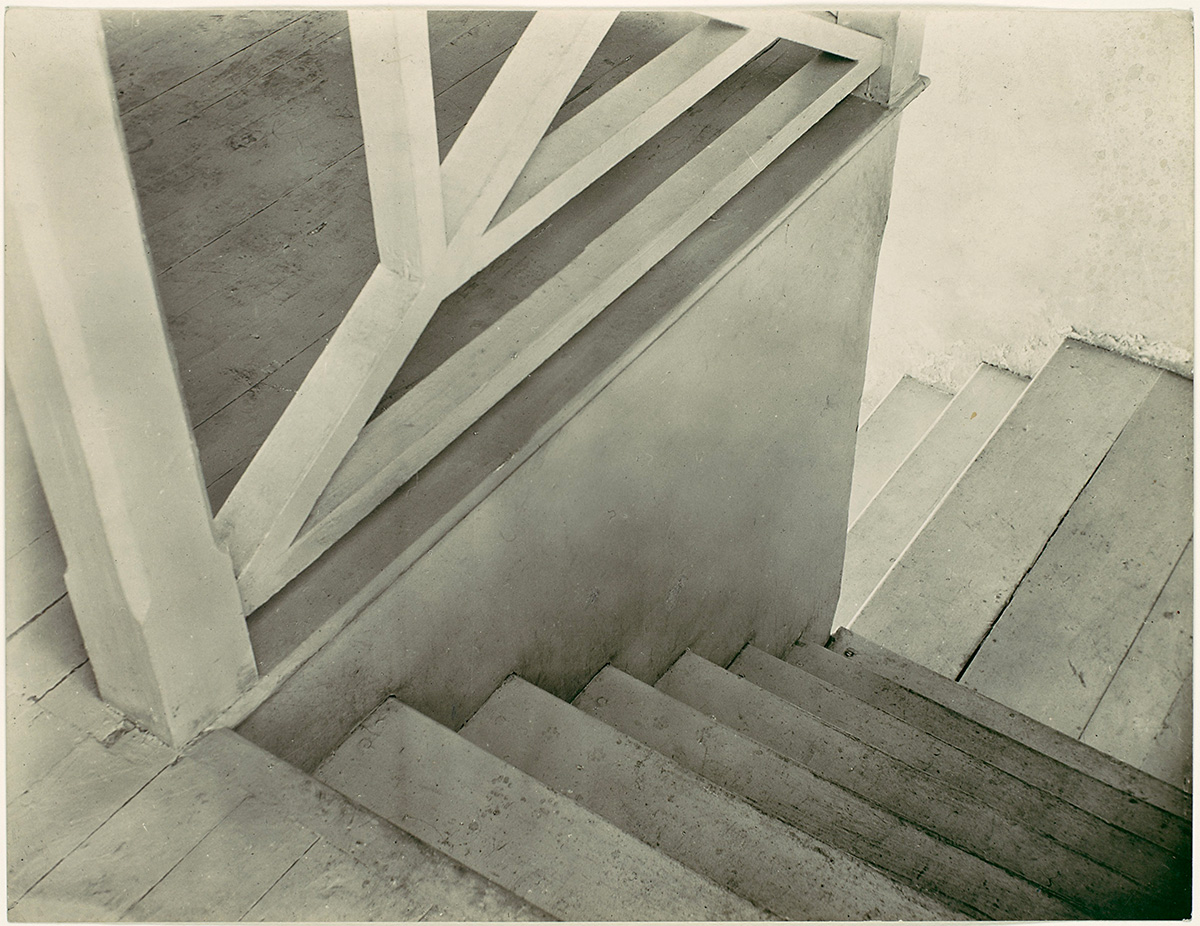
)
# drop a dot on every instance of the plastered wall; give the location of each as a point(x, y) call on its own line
point(1044, 184)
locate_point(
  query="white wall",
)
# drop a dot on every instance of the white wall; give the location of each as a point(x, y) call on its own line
point(1044, 182)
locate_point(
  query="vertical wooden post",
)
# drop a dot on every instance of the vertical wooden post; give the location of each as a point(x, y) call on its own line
point(902, 35)
point(95, 381)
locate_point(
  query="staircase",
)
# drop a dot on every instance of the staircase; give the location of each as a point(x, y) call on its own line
point(864, 780)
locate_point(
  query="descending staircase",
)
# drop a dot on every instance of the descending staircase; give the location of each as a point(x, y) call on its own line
point(863, 780)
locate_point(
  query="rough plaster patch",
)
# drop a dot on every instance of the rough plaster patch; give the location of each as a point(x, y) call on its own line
point(1138, 347)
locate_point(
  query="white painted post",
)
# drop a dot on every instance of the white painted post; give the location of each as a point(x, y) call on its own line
point(902, 35)
point(95, 381)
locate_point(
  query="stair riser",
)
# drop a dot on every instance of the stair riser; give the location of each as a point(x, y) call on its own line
point(783, 789)
point(812, 682)
point(1041, 757)
point(703, 827)
point(902, 790)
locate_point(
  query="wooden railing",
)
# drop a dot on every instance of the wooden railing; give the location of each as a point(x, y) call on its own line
point(115, 451)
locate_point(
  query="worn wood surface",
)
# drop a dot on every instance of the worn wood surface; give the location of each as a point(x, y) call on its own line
point(942, 596)
point(1170, 754)
point(511, 828)
point(709, 830)
point(880, 534)
point(893, 429)
point(1156, 669)
point(811, 683)
point(959, 817)
point(1059, 642)
point(695, 315)
point(397, 863)
point(63, 809)
point(1008, 739)
point(782, 788)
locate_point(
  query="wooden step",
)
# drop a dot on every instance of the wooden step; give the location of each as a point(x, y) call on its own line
point(959, 818)
point(889, 434)
point(782, 788)
point(940, 598)
point(895, 515)
point(1061, 639)
point(360, 866)
point(706, 828)
point(1006, 738)
point(802, 684)
point(1157, 668)
point(511, 828)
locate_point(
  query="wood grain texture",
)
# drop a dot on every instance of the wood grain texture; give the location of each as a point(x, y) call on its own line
point(512, 829)
point(394, 860)
point(64, 808)
point(709, 830)
point(1029, 749)
point(1059, 642)
point(229, 870)
point(135, 848)
point(880, 534)
point(784, 789)
point(958, 817)
point(1170, 755)
point(893, 429)
point(822, 683)
point(1157, 666)
point(935, 607)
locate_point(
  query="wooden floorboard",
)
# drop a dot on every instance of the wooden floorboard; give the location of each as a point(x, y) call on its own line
point(138, 845)
point(942, 596)
point(229, 870)
point(1131, 713)
point(1059, 642)
point(42, 653)
point(1170, 754)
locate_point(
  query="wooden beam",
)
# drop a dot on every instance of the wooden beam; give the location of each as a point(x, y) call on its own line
point(95, 382)
point(395, 97)
point(439, 408)
point(513, 115)
point(582, 149)
point(798, 26)
point(269, 503)
point(902, 35)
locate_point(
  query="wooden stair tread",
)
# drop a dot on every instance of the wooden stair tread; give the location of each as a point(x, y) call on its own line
point(1158, 666)
point(959, 818)
point(1059, 642)
point(943, 594)
point(802, 684)
point(783, 870)
point(362, 867)
point(1008, 739)
point(511, 828)
point(889, 434)
point(782, 788)
point(884, 529)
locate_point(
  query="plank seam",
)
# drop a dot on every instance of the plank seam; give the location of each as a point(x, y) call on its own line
point(213, 65)
point(284, 874)
point(26, 623)
point(1153, 606)
point(1007, 601)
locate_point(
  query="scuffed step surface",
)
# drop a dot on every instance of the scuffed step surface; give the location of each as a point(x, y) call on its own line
point(937, 603)
point(1059, 642)
point(1133, 715)
point(895, 515)
point(959, 818)
point(781, 788)
point(1008, 739)
point(887, 436)
point(812, 684)
point(704, 827)
point(511, 828)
